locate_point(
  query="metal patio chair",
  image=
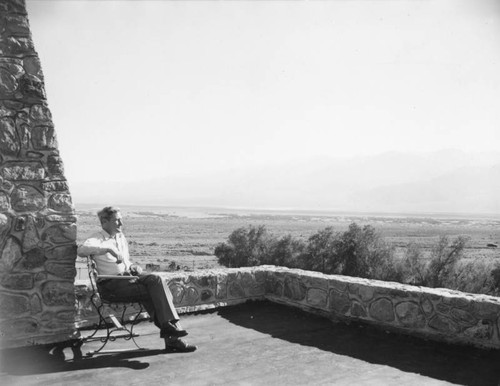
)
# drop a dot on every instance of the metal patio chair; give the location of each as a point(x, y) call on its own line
point(114, 328)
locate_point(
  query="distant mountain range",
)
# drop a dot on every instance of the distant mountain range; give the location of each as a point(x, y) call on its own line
point(447, 181)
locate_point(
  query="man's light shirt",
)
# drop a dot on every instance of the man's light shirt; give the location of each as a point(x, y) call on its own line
point(97, 246)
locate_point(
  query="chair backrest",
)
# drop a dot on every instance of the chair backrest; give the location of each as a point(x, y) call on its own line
point(92, 268)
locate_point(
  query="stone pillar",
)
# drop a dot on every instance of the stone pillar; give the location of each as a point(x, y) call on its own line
point(37, 218)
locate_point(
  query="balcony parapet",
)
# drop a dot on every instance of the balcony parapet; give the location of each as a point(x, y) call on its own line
point(430, 313)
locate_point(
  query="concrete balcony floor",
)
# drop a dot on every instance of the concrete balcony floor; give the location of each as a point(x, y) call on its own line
point(262, 343)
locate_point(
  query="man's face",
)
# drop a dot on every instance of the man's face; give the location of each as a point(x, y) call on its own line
point(113, 225)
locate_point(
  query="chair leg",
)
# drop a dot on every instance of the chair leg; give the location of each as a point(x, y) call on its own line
point(115, 330)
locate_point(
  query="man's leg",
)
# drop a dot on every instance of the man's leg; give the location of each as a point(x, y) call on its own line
point(166, 314)
point(152, 291)
point(161, 299)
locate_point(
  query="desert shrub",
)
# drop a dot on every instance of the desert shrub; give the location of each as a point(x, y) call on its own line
point(495, 277)
point(363, 253)
point(320, 253)
point(443, 260)
point(225, 254)
point(476, 276)
point(172, 266)
point(413, 266)
point(286, 252)
point(246, 247)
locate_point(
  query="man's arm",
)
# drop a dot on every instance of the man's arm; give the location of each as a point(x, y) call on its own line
point(96, 246)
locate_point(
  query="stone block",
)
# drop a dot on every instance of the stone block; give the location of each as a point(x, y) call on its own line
point(457, 302)
point(4, 203)
point(206, 295)
point(32, 88)
point(315, 282)
point(57, 218)
point(358, 310)
point(34, 258)
point(427, 306)
point(443, 324)
point(339, 302)
point(67, 316)
point(177, 291)
point(338, 285)
point(41, 114)
point(11, 255)
point(32, 66)
point(50, 321)
point(6, 185)
point(43, 138)
point(13, 305)
point(6, 112)
point(20, 223)
point(294, 289)
point(35, 304)
point(19, 327)
point(443, 308)
point(221, 291)
point(8, 82)
point(23, 171)
point(13, 6)
point(30, 236)
point(62, 253)
point(13, 66)
point(55, 186)
point(27, 198)
point(382, 310)
point(9, 143)
point(62, 270)
point(463, 317)
point(486, 310)
point(58, 293)
point(410, 315)
point(191, 295)
point(200, 281)
point(61, 202)
point(16, 46)
point(60, 234)
point(24, 133)
point(235, 290)
point(17, 24)
point(5, 225)
point(18, 281)
point(317, 297)
point(480, 331)
point(55, 166)
point(366, 292)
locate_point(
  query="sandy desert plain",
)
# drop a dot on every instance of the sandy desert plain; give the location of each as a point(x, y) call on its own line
point(188, 236)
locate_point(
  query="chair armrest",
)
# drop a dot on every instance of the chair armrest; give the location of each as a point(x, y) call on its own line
point(116, 277)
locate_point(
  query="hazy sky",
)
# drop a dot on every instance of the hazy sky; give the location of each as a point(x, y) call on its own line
point(141, 89)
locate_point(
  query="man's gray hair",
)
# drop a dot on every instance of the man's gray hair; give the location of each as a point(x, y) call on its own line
point(107, 212)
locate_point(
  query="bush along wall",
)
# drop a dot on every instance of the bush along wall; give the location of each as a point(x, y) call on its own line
point(37, 220)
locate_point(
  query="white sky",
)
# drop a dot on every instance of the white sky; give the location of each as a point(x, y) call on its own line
point(145, 89)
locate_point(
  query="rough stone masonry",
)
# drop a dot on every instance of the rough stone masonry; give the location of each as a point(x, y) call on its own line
point(37, 219)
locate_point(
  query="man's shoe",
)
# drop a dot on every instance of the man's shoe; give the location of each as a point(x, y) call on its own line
point(179, 345)
point(172, 330)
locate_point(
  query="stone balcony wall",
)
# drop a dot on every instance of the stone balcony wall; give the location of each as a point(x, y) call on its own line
point(192, 291)
point(437, 314)
point(430, 313)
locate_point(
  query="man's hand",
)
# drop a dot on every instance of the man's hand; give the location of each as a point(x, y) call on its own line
point(116, 253)
point(135, 269)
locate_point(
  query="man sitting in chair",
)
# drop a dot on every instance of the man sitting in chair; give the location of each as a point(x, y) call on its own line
point(109, 250)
